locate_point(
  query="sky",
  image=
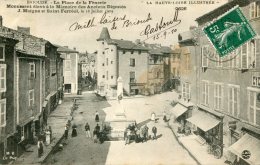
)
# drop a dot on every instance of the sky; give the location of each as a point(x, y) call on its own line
point(55, 27)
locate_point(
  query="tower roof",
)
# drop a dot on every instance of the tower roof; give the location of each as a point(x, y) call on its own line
point(104, 35)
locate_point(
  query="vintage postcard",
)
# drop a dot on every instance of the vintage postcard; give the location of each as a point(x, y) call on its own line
point(130, 82)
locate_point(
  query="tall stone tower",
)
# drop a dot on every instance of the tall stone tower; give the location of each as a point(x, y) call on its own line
point(106, 64)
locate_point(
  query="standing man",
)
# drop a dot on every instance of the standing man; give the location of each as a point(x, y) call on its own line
point(154, 130)
point(164, 116)
point(87, 129)
point(66, 132)
point(40, 148)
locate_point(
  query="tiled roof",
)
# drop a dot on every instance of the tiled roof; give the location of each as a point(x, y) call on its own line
point(28, 44)
point(8, 37)
point(155, 51)
point(125, 44)
point(130, 45)
point(65, 49)
point(158, 49)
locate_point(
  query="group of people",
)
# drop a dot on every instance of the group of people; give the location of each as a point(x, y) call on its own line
point(44, 137)
point(74, 128)
point(98, 134)
point(132, 132)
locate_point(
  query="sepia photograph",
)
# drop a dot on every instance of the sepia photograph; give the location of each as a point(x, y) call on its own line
point(130, 82)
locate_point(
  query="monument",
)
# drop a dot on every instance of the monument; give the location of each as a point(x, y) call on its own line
point(119, 121)
point(119, 111)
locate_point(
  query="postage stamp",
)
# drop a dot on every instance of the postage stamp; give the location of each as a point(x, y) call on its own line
point(229, 31)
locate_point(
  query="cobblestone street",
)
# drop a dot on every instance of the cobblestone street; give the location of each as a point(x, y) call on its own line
point(81, 150)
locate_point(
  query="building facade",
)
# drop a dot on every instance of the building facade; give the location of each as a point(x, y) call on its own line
point(8, 93)
point(141, 66)
point(31, 66)
point(227, 89)
point(70, 69)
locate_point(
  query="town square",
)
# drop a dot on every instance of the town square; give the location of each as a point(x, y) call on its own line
point(130, 83)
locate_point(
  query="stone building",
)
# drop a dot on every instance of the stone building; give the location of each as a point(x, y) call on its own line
point(8, 86)
point(227, 89)
point(70, 68)
point(141, 66)
point(33, 68)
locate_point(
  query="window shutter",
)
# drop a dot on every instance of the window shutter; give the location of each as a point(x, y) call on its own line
point(257, 52)
point(207, 93)
point(238, 102)
point(215, 96)
point(235, 101)
point(3, 77)
point(244, 59)
point(183, 92)
point(237, 58)
point(204, 51)
point(201, 92)
point(189, 91)
point(222, 97)
point(3, 107)
point(34, 70)
point(248, 105)
point(229, 100)
point(252, 10)
point(251, 105)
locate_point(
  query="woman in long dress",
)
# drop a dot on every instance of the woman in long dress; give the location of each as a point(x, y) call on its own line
point(97, 116)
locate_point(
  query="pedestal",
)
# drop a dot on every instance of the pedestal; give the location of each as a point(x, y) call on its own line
point(119, 121)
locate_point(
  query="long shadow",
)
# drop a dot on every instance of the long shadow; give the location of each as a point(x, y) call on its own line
point(80, 149)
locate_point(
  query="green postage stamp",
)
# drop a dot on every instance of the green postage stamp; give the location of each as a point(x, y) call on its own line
point(229, 31)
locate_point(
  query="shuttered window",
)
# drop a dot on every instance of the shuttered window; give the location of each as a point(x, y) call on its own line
point(254, 106)
point(244, 63)
point(235, 58)
point(255, 9)
point(186, 90)
point(257, 52)
point(2, 77)
point(250, 54)
point(218, 96)
point(32, 70)
point(3, 113)
point(204, 56)
point(205, 93)
point(233, 100)
point(2, 53)
point(31, 97)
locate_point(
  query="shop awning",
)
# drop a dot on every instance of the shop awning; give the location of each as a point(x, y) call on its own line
point(178, 110)
point(203, 121)
point(250, 143)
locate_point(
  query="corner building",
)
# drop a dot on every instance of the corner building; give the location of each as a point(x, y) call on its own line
point(143, 67)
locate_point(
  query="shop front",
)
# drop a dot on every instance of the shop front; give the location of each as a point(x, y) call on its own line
point(209, 131)
point(136, 89)
point(246, 150)
point(181, 113)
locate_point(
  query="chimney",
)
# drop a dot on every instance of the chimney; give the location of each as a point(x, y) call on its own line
point(138, 41)
point(74, 48)
point(1, 21)
point(25, 30)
